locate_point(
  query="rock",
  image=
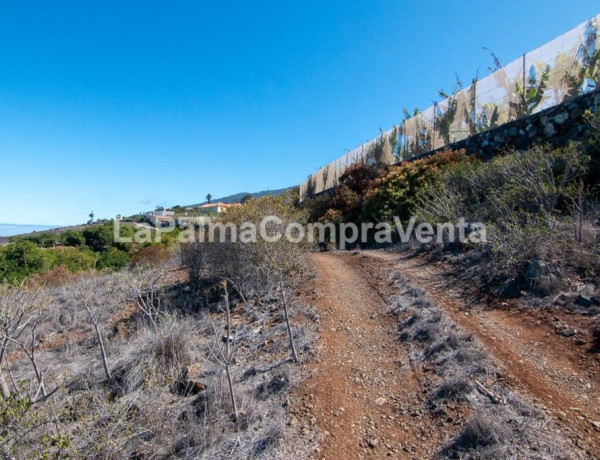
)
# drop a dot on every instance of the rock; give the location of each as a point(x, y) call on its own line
point(380, 401)
point(535, 269)
point(561, 118)
point(549, 130)
point(584, 301)
point(276, 385)
point(564, 331)
point(372, 443)
point(510, 289)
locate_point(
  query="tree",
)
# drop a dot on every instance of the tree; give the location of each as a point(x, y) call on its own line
point(98, 238)
point(208, 197)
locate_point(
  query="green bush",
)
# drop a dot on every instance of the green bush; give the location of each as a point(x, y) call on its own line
point(72, 238)
point(21, 259)
point(113, 259)
point(99, 237)
point(75, 259)
point(393, 192)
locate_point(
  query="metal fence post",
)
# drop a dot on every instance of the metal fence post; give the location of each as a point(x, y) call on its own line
point(474, 110)
point(435, 106)
point(524, 83)
point(404, 140)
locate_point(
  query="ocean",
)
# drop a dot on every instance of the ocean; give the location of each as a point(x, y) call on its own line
point(18, 229)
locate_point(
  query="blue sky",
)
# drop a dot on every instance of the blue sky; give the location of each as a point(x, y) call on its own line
point(119, 107)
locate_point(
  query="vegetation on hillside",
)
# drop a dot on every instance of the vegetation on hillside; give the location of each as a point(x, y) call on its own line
point(540, 207)
point(152, 360)
point(93, 247)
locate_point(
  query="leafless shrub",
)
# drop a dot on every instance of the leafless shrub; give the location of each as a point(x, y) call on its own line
point(397, 279)
point(467, 360)
point(427, 332)
point(414, 291)
point(224, 354)
point(22, 310)
point(399, 303)
point(237, 262)
point(99, 296)
point(480, 432)
point(422, 302)
point(143, 286)
point(450, 342)
point(455, 389)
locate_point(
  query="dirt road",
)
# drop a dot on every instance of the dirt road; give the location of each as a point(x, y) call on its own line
point(367, 401)
point(363, 396)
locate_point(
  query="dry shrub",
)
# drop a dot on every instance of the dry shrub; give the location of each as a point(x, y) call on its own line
point(57, 276)
point(534, 206)
point(480, 431)
point(455, 389)
point(151, 256)
point(451, 342)
point(135, 414)
point(249, 264)
point(155, 356)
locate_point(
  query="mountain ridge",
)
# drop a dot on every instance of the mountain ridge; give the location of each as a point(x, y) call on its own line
point(237, 197)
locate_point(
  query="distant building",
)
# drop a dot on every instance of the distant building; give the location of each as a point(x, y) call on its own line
point(161, 221)
point(160, 218)
point(214, 208)
point(159, 213)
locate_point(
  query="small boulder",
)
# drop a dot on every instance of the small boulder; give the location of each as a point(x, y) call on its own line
point(380, 401)
point(510, 289)
point(561, 118)
point(584, 301)
point(536, 269)
point(564, 331)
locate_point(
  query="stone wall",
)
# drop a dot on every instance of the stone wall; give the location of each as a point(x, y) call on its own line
point(556, 125)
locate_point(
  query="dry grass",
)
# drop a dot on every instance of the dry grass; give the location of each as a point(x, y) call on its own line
point(165, 398)
point(504, 426)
